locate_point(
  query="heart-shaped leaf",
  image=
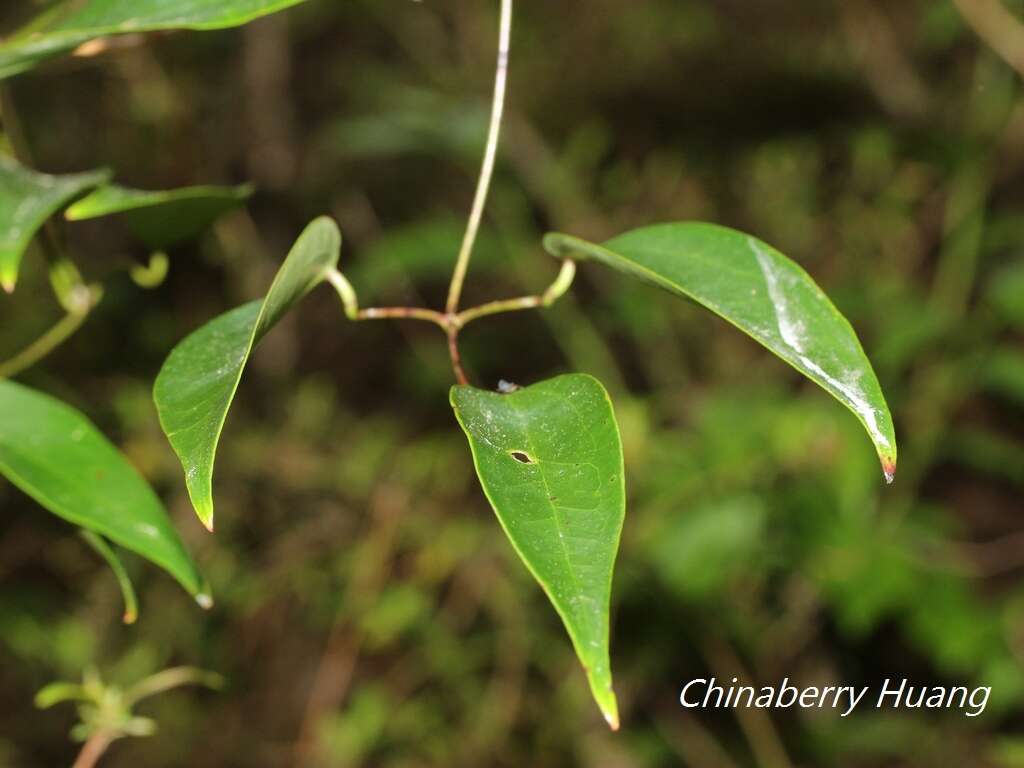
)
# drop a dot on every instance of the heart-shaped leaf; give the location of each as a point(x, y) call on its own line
point(549, 458)
point(55, 455)
point(161, 219)
point(74, 22)
point(765, 295)
point(27, 200)
point(198, 380)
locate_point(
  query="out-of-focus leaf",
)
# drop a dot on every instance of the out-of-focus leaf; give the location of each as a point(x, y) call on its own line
point(161, 219)
point(169, 679)
point(549, 458)
point(761, 292)
point(986, 451)
point(421, 125)
point(421, 251)
point(73, 22)
point(55, 455)
point(700, 551)
point(104, 550)
point(1003, 373)
point(58, 693)
point(27, 199)
point(198, 380)
point(1005, 292)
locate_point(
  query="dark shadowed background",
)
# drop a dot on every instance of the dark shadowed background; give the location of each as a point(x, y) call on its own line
point(369, 610)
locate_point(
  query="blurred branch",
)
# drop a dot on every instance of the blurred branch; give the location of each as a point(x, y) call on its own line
point(974, 559)
point(333, 672)
point(496, 714)
point(694, 743)
point(53, 338)
point(888, 71)
point(104, 550)
point(999, 29)
point(169, 679)
point(963, 232)
point(756, 725)
point(93, 749)
point(270, 150)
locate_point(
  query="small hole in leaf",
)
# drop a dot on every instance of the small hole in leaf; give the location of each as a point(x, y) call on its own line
point(522, 457)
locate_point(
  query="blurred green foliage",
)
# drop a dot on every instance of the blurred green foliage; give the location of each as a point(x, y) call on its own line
point(369, 610)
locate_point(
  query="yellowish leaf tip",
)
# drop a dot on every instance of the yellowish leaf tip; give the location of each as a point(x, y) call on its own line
point(606, 701)
point(612, 719)
point(130, 617)
point(205, 514)
point(8, 284)
point(204, 601)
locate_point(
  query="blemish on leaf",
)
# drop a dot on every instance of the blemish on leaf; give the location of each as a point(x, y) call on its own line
point(522, 457)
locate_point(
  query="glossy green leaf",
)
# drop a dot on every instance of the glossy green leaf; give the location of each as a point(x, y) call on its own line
point(549, 458)
point(762, 293)
point(198, 380)
point(55, 455)
point(27, 200)
point(165, 218)
point(74, 22)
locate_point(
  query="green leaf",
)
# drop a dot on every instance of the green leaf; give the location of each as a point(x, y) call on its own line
point(165, 218)
point(765, 295)
point(55, 455)
point(104, 550)
point(549, 458)
point(198, 380)
point(58, 693)
point(27, 200)
point(74, 22)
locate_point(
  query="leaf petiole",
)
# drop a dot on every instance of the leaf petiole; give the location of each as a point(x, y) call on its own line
point(554, 292)
point(452, 323)
point(57, 335)
point(104, 550)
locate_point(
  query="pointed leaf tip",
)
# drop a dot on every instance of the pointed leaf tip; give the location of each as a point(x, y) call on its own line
point(889, 470)
point(205, 514)
point(607, 702)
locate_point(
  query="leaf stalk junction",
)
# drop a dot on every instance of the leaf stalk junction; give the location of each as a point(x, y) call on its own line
point(451, 320)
